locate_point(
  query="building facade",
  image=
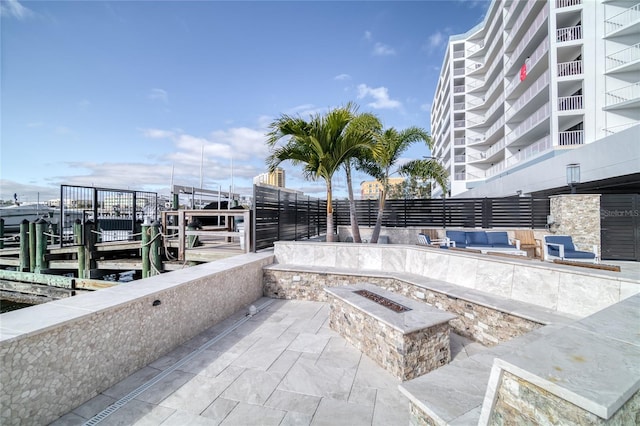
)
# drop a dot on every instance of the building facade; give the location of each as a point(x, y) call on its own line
point(535, 80)
point(370, 189)
point(275, 178)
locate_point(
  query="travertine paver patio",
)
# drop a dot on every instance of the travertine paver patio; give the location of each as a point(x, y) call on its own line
point(283, 366)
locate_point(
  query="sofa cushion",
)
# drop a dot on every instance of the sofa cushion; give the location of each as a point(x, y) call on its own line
point(460, 238)
point(498, 238)
point(503, 246)
point(477, 238)
point(577, 254)
point(565, 240)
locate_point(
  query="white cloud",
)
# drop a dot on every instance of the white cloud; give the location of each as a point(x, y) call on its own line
point(380, 96)
point(159, 95)
point(305, 110)
point(342, 77)
point(435, 41)
point(13, 9)
point(368, 35)
point(425, 107)
point(380, 49)
point(157, 133)
point(35, 124)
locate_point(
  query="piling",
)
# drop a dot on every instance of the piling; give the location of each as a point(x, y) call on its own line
point(192, 240)
point(24, 246)
point(53, 232)
point(146, 262)
point(156, 245)
point(1, 233)
point(175, 205)
point(79, 241)
point(89, 247)
point(32, 247)
point(41, 226)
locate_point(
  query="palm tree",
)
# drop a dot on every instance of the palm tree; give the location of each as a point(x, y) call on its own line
point(323, 144)
point(390, 145)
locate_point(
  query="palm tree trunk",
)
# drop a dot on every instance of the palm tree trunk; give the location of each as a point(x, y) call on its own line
point(355, 229)
point(329, 212)
point(376, 229)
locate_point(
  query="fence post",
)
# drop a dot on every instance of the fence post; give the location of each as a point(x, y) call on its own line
point(487, 211)
point(279, 204)
point(1, 233)
point(90, 239)
point(295, 227)
point(24, 246)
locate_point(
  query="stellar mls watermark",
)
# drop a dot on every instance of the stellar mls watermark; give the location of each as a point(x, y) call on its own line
point(619, 213)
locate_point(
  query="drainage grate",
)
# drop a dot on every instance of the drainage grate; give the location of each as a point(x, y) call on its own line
point(134, 393)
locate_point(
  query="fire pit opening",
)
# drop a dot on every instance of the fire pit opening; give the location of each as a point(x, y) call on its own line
point(387, 303)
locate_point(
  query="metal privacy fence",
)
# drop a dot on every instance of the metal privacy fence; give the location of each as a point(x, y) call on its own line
point(511, 212)
point(115, 211)
point(285, 215)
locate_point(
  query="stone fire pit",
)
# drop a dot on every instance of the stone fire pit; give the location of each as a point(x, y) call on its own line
point(405, 337)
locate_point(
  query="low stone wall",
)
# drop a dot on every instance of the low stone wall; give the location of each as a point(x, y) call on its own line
point(561, 288)
point(516, 399)
point(55, 356)
point(486, 325)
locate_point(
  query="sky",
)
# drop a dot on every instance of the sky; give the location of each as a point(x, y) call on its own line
point(128, 94)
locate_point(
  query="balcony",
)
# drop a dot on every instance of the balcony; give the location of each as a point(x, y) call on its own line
point(540, 84)
point(624, 60)
point(458, 123)
point(524, 13)
point(570, 138)
point(458, 88)
point(458, 71)
point(623, 22)
point(538, 147)
point(459, 158)
point(570, 103)
point(474, 67)
point(460, 176)
point(569, 34)
point(458, 106)
point(526, 39)
point(625, 97)
point(475, 48)
point(536, 118)
point(569, 68)
point(567, 3)
point(488, 155)
point(458, 54)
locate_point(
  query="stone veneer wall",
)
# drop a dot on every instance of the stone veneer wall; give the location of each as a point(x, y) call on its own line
point(577, 215)
point(485, 325)
point(406, 356)
point(55, 356)
point(521, 402)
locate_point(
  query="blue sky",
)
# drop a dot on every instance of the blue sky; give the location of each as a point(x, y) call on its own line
point(120, 94)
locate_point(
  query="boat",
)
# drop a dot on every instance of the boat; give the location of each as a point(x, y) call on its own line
point(14, 215)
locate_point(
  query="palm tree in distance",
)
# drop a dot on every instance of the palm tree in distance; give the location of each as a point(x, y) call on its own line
point(323, 144)
point(390, 145)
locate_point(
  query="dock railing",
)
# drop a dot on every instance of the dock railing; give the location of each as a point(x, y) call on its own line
point(185, 227)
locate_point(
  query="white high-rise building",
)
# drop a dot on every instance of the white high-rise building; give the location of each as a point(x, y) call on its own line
point(534, 80)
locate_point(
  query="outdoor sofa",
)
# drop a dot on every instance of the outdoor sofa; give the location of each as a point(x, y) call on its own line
point(482, 240)
point(561, 247)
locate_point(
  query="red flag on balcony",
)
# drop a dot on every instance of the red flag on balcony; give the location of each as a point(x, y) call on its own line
point(523, 71)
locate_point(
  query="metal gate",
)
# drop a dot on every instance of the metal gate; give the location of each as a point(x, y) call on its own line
point(620, 226)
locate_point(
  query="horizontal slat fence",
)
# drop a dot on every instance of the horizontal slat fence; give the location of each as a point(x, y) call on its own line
point(280, 214)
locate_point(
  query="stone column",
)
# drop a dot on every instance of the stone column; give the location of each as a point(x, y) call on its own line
point(577, 215)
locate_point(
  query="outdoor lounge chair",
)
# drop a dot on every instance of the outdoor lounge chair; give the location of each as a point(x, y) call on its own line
point(425, 240)
point(528, 242)
point(562, 247)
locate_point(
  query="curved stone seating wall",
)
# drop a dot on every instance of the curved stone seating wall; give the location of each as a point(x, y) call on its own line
point(560, 288)
point(55, 356)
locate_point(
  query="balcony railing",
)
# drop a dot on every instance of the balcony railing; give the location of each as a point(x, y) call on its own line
point(532, 150)
point(624, 94)
point(567, 3)
point(458, 123)
point(494, 170)
point(459, 158)
point(526, 39)
point(458, 71)
point(535, 57)
point(458, 141)
point(541, 83)
point(460, 176)
point(458, 54)
point(509, 13)
point(569, 68)
point(569, 34)
point(472, 85)
point(570, 103)
point(622, 19)
point(473, 49)
point(623, 57)
point(458, 89)
point(536, 118)
point(494, 128)
point(458, 106)
point(572, 137)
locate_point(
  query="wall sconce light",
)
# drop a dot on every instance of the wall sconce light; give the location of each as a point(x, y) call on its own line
point(573, 176)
